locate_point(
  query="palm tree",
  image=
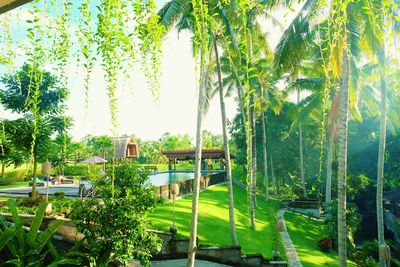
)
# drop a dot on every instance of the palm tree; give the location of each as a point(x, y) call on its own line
point(181, 13)
point(342, 157)
point(303, 182)
point(290, 52)
point(226, 146)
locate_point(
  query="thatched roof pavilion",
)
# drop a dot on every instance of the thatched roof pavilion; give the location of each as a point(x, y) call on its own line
point(125, 148)
point(189, 154)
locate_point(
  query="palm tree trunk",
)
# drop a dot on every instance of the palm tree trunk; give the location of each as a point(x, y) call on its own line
point(303, 182)
point(342, 158)
point(252, 164)
point(226, 148)
point(273, 175)
point(3, 168)
point(328, 184)
point(197, 174)
point(265, 157)
point(34, 177)
point(380, 176)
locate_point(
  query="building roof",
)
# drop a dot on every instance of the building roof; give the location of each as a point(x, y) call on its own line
point(7, 5)
point(121, 146)
point(214, 153)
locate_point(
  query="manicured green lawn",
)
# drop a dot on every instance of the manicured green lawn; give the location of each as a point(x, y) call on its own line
point(213, 222)
point(305, 232)
point(16, 184)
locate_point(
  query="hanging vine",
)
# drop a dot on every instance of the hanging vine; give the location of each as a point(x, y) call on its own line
point(150, 32)
point(61, 54)
point(86, 41)
point(36, 55)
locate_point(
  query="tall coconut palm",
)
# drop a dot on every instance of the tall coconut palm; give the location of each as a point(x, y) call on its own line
point(342, 158)
point(226, 146)
point(290, 51)
point(380, 169)
point(181, 13)
point(303, 182)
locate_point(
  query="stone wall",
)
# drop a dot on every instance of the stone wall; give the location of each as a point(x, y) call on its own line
point(172, 248)
point(307, 207)
point(229, 255)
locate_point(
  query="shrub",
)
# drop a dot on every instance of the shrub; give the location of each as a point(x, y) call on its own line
point(78, 170)
point(17, 175)
point(7, 181)
point(368, 262)
point(59, 194)
point(370, 248)
point(116, 229)
point(325, 244)
point(30, 202)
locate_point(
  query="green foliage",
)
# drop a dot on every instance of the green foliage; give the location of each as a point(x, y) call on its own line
point(33, 247)
point(211, 140)
point(7, 181)
point(99, 145)
point(352, 223)
point(356, 184)
point(41, 116)
point(116, 230)
point(17, 97)
point(78, 170)
point(283, 147)
point(60, 206)
point(150, 151)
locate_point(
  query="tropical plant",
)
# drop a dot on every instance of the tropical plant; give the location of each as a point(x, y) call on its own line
point(33, 247)
point(116, 230)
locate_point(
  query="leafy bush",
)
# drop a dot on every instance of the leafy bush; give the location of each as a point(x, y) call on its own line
point(22, 248)
point(116, 229)
point(7, 180)
point(78, 170)
point(353, 219)
point(17, 175)
point(30, 202)
point(59, 194)
point(370, 248)
point(60, 206)
point(325, 244)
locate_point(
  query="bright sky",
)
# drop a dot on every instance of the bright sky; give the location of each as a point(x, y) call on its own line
point(139, 113)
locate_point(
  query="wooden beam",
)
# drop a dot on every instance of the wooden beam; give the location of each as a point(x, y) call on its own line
point(7, 5)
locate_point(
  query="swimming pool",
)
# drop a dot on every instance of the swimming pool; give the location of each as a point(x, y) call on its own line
point(170, 177)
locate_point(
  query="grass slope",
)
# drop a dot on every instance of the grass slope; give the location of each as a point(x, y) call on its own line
point(305, 232)
point(213, 222)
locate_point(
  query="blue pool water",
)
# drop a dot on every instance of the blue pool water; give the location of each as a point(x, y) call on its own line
point(170, 177)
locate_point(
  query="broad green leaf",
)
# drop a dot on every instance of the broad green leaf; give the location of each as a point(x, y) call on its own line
point(45, 236)
point(17, 220)
point(76, 262)
point(35, 225)
point(7, 235)
point(15, 262)
point(53, 251)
